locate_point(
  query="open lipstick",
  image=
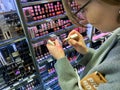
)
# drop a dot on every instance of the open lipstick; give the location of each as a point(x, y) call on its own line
point(71, 37)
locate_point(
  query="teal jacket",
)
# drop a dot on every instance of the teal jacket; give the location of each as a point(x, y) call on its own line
point(106, 60)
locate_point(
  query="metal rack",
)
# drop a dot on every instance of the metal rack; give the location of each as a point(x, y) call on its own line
point(37, 2)
point(24, 25)
point(46, 20)
point(30, 41)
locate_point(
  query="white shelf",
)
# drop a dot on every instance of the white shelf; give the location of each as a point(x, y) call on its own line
point(27, 80)
point(59, 32)
point(13, 40)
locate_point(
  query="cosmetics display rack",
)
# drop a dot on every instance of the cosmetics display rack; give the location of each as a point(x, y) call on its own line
point(17, 70)
point(36, 2)
point(10, 26)
point(25, 62)
point(6, 13)
point(43, 20)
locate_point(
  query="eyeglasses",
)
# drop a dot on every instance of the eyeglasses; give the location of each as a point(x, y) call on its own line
point(82, 8)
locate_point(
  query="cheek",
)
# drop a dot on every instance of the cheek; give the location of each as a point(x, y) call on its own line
point(94, 17)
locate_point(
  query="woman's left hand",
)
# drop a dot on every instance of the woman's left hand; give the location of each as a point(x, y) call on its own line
point(56, 50)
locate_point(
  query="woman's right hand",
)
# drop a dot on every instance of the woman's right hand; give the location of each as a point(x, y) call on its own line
point(78, 43)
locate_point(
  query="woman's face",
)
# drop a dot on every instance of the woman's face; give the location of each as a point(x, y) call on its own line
point(101, 15)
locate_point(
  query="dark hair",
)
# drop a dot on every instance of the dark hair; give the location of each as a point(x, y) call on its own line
point(75, 20)
point(112, 2)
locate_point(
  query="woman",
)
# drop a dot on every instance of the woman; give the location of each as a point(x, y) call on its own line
point(105, 16)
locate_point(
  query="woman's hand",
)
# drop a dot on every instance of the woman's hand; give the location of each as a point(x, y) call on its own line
point(78, 43)
point(56, 50)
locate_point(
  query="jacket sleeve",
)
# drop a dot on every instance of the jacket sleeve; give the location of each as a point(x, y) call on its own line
point(67, 76)
point(110, 86)
point(87, 57)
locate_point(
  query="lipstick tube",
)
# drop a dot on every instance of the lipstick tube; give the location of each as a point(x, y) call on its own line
point(71, 37)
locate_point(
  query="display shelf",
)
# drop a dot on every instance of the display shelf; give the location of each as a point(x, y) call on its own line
point(46, 78)
point(50, 80)
point(13, 40)
point(24, 25)
point(21, 82)
point(59, 32)
point(10, 12)
point(44, 60)
point(45, 64)
point(34, 23)
point(49, 83)
point(50, 58)
point(37, 2)
point(65, 30)
point(39, 87)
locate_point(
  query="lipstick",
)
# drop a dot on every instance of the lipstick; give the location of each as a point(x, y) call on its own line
point(50, 42)
point(71, 37)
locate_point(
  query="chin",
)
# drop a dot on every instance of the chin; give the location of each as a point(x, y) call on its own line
point(103, 29)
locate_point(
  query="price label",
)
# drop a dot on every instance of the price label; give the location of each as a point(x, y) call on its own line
point(32, 76)
point(44, 1)
point(25, 79)
point(16, 84)
point(53, 35)
point(49, 59)
point(30, 80)
point(8, 88)
point(48, 20)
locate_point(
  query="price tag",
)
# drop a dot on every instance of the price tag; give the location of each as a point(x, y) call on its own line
point(44, 1)
point(30, 80)
point(48, 20)
point(16, 84)
point(53, 35)
point(49, 59)
point(25, 79)
point(32, 76)
point(8, 88)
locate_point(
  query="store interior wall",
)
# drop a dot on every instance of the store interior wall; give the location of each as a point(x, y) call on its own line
point(7, 5)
